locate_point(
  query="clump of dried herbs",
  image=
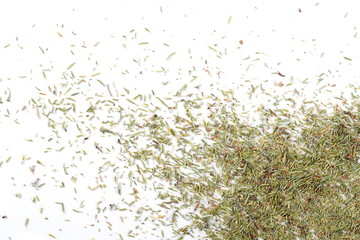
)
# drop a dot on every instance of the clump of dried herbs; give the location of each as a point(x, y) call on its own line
point(293, 176)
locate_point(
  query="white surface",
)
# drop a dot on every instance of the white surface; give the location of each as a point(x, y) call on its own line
point(275, 35)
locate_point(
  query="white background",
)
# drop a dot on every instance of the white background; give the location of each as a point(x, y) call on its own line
point(301, 39)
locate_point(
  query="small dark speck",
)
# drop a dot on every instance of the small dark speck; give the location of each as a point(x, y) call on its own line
point(280, 74)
